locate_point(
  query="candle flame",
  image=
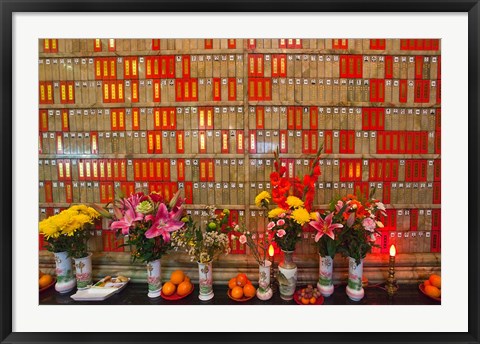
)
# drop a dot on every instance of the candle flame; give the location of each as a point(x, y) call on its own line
point(393, 251)
point(270, 250)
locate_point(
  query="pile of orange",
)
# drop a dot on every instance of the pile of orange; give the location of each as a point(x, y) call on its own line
point(240, 286)
point(179, 282)
point(433, 286)
point(308, 295)
point(44, 280)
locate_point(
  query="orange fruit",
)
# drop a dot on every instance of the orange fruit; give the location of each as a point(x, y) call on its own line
point(232, 283)
point(187, 279)
point(313, 299)
point(44, 281)
point(305, 301)
point(436, 281)
point(168, 288)
point(241, 279)
point(430, 290)
point(184, 288)
point(249, 290)
point(237, 292)
point(40, 273)
point(427, 282)
point(177, 277)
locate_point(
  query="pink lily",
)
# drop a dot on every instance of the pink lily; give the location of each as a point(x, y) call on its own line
point(338, 206)
point(325, 226)
point(126, 220)
point(164, 224)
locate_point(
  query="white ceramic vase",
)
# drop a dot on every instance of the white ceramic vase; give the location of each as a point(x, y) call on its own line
point(325, 276)
point(205, 281)
point(63, 270)
point(287, 276)
point(154, 278)
point(354, 287)
point(264, 291)
point(83, 271)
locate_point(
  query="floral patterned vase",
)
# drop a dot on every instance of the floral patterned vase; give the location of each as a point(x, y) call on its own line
point(205, 281)
point(354, 288)
point(264, 291)
point(154, 278)
point(83, 271)
point(325, 276)
point(287, 276)
point(64, 272)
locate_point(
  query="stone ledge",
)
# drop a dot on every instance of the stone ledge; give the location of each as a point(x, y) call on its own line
point(409, 268)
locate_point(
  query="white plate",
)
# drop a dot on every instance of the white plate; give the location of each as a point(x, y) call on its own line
point(96, 293)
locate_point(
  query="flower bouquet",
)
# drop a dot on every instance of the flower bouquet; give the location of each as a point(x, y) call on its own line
point(66, 235)
point(259, 249)
point(360, 220)
point(147, 222)
point(294, 200)
point(327, 242)
point(204, 243)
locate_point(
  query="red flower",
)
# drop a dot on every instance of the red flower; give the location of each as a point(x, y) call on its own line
point(284, 185)
point(309, 181)
point(282, 171)
point(316, 171)
point(275, 179)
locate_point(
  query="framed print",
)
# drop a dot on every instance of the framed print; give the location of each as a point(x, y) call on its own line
point(206, 172)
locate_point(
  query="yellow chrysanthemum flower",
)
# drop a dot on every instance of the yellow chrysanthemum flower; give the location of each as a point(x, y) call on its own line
point(276, 212)
point(49, 229)
point(294, 202)
point(313, 216)
point(301, 216)
point(262, 196)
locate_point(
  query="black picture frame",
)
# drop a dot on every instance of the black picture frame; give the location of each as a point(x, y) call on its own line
point(9, 7)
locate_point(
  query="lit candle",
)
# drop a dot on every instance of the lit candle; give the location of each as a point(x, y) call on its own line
point(391, 284)
point(270, 253)
point(393, 251)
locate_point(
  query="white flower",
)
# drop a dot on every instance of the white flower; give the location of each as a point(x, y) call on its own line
point(379, 224)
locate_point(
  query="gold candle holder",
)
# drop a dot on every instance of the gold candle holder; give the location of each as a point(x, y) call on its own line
point(391, 285)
